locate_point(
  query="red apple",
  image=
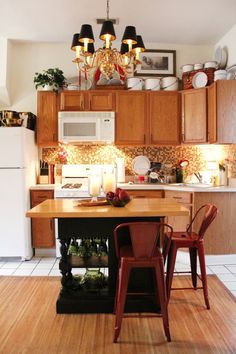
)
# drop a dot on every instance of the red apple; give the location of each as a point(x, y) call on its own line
point(118, 190)
point(123, 195)
point(110, 196)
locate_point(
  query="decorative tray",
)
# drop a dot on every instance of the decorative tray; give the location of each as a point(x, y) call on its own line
point(89, 203)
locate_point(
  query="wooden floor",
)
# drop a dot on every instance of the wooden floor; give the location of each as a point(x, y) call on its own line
point(30, 325)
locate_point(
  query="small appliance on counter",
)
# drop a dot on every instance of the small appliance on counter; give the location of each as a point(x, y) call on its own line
point(153, 173)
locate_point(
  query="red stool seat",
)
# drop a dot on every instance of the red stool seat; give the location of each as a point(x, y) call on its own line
point(195, 243)
point(136, 246)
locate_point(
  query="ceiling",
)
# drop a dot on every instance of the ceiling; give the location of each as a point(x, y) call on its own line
point(169, 21)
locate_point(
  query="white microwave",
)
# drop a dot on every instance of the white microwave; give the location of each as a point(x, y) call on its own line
point(93, 127)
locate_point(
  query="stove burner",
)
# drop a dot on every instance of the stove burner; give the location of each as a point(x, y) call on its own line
point(72, 185)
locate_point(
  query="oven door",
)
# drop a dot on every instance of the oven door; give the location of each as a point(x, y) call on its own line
point(57, 195)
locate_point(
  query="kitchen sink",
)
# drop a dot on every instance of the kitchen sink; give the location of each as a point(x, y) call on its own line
point(197, 185)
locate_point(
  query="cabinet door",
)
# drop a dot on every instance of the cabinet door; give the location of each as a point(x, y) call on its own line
point(226, 111)
point(43, 234)
point(47, 120)
point(164, 117)
point(43, 229)
point(179, 223)
point(211, 100)
point(101, 101)
point(194, 116)
point(131, 116)
point(72, 101)
point(220, 237)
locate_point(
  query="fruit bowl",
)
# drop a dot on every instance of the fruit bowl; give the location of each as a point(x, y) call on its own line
point(119, 198)
point(118, 203)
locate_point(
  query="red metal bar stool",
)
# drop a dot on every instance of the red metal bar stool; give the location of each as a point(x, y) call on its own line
point(195, 243)
point(137, 247)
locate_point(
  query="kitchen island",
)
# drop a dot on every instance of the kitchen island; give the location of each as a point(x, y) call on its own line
point(76, 221)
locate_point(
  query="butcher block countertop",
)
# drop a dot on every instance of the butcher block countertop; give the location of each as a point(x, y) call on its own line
point(70, 208)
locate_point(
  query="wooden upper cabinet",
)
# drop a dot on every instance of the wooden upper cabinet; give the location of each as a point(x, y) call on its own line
point(47, 120)
point(194, 116)
point(226, 111)
point(164, 113)
point(72, 101)
point(101, 101)
point(131, 114)
point(212, 115)
point(87, 101)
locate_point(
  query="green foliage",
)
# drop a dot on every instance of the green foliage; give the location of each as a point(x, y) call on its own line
point(53, 77)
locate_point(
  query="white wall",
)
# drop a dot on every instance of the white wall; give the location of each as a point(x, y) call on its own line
point(5, 50)
point(28, 57)
point(228, 42)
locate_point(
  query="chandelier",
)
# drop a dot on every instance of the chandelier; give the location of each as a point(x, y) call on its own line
point(106, 59)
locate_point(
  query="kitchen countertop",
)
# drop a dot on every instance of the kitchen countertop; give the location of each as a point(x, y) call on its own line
point(175, 187)
point(153, 186)
point(70, 208)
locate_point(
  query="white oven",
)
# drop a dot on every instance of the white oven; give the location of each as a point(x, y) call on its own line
point(75, 186)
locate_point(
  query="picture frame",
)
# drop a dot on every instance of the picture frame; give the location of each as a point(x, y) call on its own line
point(157, 62)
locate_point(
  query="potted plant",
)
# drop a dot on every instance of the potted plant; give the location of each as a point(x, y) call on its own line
point(51, 79)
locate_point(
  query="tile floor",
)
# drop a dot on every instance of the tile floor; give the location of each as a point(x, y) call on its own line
point(49, 266)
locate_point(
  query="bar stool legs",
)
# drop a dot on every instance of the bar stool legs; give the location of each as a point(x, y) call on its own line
point(202, 263)
point(160, 279)
point(193, 262)
point(124, 273)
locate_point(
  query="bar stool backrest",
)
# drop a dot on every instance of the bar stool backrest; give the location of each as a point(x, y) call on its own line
point(144, 237)
point(210, 212)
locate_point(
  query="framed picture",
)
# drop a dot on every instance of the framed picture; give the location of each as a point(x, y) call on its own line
point(157, 62)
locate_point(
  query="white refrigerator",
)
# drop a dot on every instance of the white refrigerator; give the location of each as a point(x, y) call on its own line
point(18, 161)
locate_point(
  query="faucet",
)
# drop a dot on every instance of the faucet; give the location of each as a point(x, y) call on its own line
point(199, 177)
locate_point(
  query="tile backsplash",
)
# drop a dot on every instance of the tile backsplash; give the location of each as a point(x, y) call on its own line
point(198, 155)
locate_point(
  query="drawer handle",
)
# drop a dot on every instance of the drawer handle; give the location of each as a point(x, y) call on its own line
point(139, 196)
point(177, 197)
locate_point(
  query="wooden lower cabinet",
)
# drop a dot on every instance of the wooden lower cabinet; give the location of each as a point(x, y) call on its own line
point(43, 230)
point(145, 193)
point(221, 236)
point(179, 223)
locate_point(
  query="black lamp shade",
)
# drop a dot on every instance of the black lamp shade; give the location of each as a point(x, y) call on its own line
point(91, 48)
point(76, 42)
point(124, 48)
point(139, 44)
point(107, 28)
point(129, 35)
point(86, 32)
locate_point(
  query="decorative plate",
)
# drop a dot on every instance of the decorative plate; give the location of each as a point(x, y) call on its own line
point(140, 165)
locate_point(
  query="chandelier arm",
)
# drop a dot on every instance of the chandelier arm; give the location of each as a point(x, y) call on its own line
point(105, 59)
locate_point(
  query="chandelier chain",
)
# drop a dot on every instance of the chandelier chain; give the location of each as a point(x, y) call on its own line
point(108, 8)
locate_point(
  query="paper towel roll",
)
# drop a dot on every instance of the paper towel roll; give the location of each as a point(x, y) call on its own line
point(120, 165)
